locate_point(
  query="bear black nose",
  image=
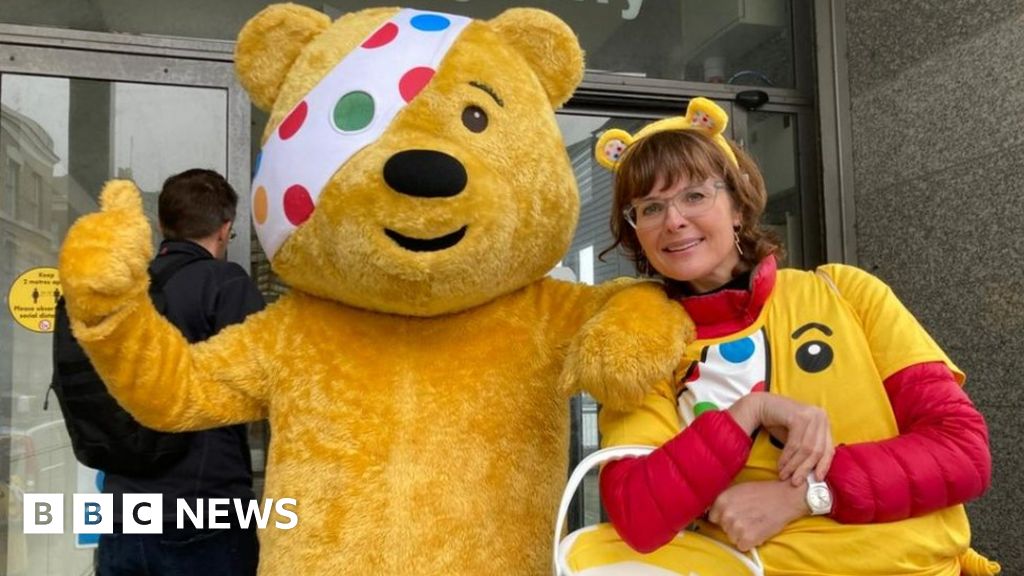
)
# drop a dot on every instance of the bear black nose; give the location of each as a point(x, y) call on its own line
point(425, 174)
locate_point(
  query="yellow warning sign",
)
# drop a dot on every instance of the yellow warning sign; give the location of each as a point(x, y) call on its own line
point(33, 298)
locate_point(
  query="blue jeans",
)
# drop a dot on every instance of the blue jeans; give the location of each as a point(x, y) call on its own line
point(229, 552)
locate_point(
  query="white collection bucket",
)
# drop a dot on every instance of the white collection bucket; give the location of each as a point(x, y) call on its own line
point(599, 551)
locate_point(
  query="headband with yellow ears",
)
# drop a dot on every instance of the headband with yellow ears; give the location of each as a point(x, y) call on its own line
point(702, 115)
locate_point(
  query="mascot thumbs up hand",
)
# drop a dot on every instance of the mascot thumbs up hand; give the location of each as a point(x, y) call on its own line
point(104, 257)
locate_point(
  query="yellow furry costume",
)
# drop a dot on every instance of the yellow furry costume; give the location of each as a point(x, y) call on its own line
point(412, 390)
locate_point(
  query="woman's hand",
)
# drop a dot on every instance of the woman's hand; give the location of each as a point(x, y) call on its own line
point(807, 434)
point(804, 429)
point(752, 512)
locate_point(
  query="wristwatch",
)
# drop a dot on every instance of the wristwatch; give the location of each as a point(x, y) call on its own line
point(819, 496)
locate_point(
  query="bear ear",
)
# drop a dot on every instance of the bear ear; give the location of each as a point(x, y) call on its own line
point(610, 147)
point(268, 45)
point(549, 46)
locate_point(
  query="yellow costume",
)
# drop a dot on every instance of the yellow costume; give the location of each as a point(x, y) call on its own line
point(827, 338)
point(411, 375)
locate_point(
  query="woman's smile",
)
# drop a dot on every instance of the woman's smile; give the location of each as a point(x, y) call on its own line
point(682, 246)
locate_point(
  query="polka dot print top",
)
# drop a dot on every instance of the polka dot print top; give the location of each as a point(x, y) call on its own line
point(349, 109)
point(727, 371)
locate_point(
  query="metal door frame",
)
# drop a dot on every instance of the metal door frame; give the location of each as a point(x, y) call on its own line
point(33, 51)
point(150, 60)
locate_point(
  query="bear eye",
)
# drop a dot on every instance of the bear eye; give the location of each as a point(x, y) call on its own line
point(814, 356)
point(474, 118)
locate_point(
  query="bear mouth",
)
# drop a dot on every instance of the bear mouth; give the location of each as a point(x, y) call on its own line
point(428, 244)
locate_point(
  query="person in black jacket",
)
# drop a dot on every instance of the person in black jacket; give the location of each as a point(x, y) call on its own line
point(196, 211)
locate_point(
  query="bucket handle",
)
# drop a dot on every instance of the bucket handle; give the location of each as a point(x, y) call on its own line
point(599, 457)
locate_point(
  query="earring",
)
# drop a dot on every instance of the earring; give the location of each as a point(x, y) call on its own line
point(736, 240)
point(644, 266)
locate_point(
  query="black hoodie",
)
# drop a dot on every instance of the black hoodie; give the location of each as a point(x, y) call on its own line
point(202, 298)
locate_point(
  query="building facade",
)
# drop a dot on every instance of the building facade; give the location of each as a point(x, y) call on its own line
point(887, 135)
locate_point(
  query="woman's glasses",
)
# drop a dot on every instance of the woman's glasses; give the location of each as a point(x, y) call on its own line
point(689, 202)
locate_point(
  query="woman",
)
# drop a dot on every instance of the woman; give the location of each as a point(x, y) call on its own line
point(771, 344)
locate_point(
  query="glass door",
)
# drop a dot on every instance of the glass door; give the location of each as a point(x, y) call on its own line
point(781, 140)
point(773, 135)
point(71, 119)
point(580, 130)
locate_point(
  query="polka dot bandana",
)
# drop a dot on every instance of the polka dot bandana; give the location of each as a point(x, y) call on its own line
point(727, 371)
point(349, 109)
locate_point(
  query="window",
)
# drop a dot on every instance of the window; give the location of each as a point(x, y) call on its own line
point(26, 202)
point(729, 41)
point(12, 175)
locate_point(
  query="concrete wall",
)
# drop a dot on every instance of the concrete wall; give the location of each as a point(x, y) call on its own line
point(937, 99)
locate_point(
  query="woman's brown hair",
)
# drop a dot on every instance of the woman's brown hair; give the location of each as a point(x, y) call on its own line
point(675, 154)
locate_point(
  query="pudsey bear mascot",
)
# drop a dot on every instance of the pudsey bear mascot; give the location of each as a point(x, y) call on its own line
point(413, 190)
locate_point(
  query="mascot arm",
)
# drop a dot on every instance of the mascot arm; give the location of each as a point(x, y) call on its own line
point(650, 499)
point(145, 361)
point(627, 336)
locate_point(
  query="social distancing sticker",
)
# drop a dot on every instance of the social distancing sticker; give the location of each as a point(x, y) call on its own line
point(33, 297)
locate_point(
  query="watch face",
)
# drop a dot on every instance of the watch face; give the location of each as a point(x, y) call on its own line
point(819, 499)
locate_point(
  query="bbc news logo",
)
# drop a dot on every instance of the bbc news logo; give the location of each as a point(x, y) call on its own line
point(143, 513)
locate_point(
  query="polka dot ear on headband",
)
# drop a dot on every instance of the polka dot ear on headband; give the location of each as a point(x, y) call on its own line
point(702, 115)
point(351, 107)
